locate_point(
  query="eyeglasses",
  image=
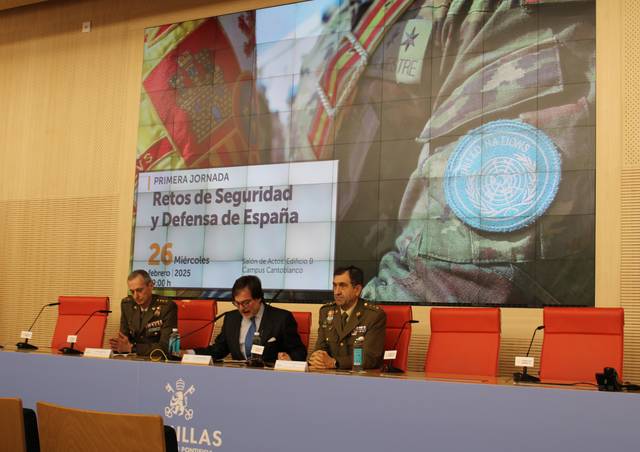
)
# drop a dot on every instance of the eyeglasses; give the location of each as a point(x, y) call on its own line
point(242, 304)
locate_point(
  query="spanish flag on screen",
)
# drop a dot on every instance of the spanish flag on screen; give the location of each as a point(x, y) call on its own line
point(197, 94)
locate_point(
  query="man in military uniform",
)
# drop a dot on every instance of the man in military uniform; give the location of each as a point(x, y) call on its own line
point(146, 320)
point(505, 219)
point(340, 321)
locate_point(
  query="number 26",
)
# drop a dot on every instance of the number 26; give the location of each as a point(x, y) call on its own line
point(163, 254)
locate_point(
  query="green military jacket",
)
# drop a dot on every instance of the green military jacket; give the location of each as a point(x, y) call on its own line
point(441, 70)
point(338, 342)
point(149, 330)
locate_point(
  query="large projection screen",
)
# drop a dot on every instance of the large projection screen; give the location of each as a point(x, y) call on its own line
point(445, 147)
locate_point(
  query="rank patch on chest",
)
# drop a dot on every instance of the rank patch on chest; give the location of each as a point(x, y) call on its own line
point(413, 44)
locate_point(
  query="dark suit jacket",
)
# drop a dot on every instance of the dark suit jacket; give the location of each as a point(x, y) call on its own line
point(276, 323)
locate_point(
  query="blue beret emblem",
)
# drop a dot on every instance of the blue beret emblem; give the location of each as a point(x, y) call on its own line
point(502, 176)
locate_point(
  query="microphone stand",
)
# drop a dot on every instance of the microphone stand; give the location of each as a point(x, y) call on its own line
point(274, 297)
point(191, 333)
point(72, 351)
point(26, 345)
point(388, 367)
point(524, 376)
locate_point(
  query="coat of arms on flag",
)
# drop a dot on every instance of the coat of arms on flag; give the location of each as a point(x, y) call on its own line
point(197, 94)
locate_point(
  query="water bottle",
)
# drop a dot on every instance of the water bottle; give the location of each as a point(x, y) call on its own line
point(174, 343)
point(358, 350)
point(256, 358)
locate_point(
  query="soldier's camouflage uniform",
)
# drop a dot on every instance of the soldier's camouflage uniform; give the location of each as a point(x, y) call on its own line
point(441, 70)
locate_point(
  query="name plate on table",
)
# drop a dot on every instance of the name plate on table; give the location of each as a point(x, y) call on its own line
point(390, 354)
point(524, 361)
point(292, 366)
point(72, 339)
point(257, 349)
point(103, 353)
point(26, 335)
point(199, 360)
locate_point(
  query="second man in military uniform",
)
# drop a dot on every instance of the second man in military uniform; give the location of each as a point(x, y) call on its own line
point(339, 323)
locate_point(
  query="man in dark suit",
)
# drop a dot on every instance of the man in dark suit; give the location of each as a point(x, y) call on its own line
point(277, 328)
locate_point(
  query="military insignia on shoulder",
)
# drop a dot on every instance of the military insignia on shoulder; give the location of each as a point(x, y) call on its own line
point(411, 52)
point(502, 176)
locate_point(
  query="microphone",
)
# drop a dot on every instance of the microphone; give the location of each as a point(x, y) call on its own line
point(26, 345)
point(388, 367)
point(218, 317)
point(73, 351)
point(191, 333)
point(524, 376)
point(275, 296)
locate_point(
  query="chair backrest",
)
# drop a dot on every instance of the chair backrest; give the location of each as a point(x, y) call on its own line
point(396, 317)
point(303, 319)
point(194, 314)
point(464, 341)
point(72, 313)
point(72, 430)
point(12, 425)
point(578, 342)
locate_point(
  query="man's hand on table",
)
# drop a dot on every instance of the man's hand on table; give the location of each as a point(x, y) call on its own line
point(320, 360)
point(120, 344)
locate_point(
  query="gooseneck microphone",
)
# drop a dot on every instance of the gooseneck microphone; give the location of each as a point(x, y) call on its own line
point(26, 345)
point(274, 297)
point(524, 376)
point(388, 368)
point(72, 351)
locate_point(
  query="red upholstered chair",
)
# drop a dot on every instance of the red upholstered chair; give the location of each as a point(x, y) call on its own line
point(72, 313)
point(578, 342)
point(194, 314)
point(303, 319)
point(396, 317)
point(464, 341)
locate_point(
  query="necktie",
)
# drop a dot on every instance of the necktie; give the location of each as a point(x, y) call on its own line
point(345, 316)
point(142, 313)
point(248, 339)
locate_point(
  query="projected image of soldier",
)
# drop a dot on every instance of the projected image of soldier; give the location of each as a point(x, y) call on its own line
point(465, 135)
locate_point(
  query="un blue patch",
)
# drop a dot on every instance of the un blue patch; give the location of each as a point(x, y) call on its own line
point(502, 176)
